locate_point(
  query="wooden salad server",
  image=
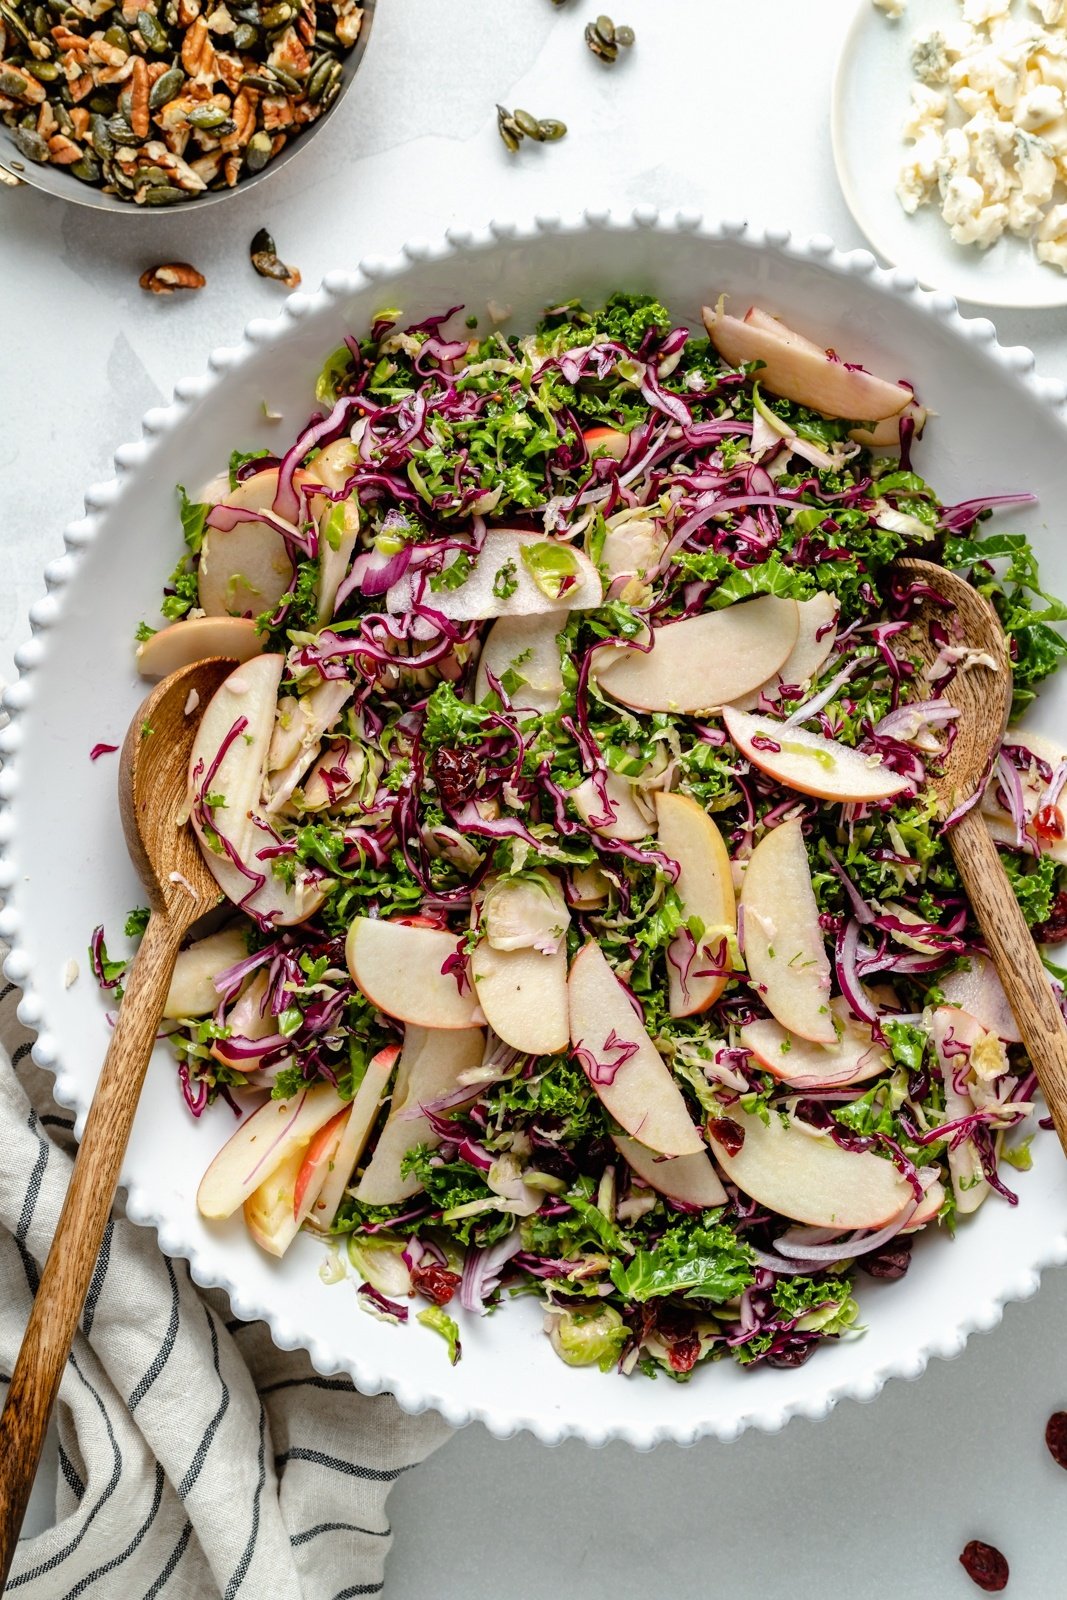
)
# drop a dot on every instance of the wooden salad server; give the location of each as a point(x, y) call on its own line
point(983, 695)
point(153, 778)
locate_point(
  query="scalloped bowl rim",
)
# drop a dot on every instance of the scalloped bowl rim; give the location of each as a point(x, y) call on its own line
point(982, 1313)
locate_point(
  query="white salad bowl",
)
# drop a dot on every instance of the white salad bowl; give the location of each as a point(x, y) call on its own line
point(998, 427)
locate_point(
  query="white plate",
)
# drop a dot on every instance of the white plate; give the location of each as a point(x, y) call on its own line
point(871, 99)
point(999, 427)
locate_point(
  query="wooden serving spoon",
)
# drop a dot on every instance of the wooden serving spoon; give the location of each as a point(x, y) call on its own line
point(983, 696)
point(153, 778)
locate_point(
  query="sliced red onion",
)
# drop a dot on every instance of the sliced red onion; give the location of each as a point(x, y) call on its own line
point(793, 1246)
point(953, 518)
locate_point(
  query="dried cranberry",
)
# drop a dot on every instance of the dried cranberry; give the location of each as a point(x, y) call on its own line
point(1054, 931)
point(1056, 1437)
point(1048, 823)
point(891, 1261)
point(684, 1353)
point(728, 1133)
point(435, 1282)
point(985, 1566)
point(455, 771)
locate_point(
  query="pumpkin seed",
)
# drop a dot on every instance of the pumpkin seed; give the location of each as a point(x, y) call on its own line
point(262, 242)
point(165, 88)
point(508, 129)
point(605, 28)
point(527, 124)
point(87, 169)
point(44, 71)
point(103, 102)
point(256, 80)
point(245, 36)
point(163, 195)
point(625, 36)
point(31, 144)
point(552, 129)
point(207, 117)
point(323, 72)
point(264, 257)
point(13, 83)
point(66, 123)
point(155, 36)
point(14, 22)
point(286, 80)
point(121, 132)
point(99, 137)
point(607, 51)
point(41, 21)
point(278, 16)
point(118, 38)
point(258, 153)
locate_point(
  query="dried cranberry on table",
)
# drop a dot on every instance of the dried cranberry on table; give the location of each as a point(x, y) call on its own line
point(1056, 1437)
point(985, 1566)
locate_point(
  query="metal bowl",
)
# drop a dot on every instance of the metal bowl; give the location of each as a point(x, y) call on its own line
point(15, 169)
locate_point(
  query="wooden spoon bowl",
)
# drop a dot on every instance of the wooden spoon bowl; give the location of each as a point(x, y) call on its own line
point(982, 693)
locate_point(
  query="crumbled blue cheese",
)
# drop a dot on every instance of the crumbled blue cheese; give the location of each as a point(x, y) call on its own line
point(986, 136)
point(892, 8)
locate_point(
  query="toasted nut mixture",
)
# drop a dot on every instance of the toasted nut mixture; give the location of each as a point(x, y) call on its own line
point(172, 275)
point(157, 100)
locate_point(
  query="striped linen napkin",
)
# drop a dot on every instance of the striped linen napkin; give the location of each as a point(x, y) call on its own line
point(195, 1458)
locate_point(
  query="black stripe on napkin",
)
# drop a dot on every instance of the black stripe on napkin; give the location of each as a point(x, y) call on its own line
point(172, 1561)
point(116, 1561)
point(163, 1354)
point(336, 1527)
point(354, 1469)
point(200, 1454)
point(242, 1566)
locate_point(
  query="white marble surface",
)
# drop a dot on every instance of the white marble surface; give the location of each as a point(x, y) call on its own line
point(723, 106)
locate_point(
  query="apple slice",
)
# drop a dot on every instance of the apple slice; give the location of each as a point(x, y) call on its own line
point(783, 942)
point(353, 1141)
point(810, 763)
point(315, 1167)
point(798, 1062)
point(804, 1175)
point(815, 640)
point(953, 1027)
point(705, 661)
point(606, 442)
point(705, 886)
point(792, 367)
point(622, 817)
point(502, 581)
point(635, 1085)
point(398, 968)
point(261, 1144)
point(269, 1213)
point(528, 646)
point(197, 639)
point(431, 1064)
point(977, 989)
point(523, 995)
point(689, 1181)
point(928, 1207)
point(192, 991)
point(228, 762)
point(246, 569)
point(338, 520)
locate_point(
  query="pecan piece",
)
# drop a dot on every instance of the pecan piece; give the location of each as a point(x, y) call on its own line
point(63, 151)
point(170, 276)
point(139, 118)
point(198, 53)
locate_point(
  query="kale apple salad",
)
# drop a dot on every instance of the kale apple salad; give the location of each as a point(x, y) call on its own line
point(593, 932)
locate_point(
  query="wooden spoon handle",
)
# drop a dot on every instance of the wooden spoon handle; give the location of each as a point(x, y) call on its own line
point(67, 1273)
point(1015, 957)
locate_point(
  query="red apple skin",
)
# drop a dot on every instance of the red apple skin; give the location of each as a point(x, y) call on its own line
point(320, 1152)
point(609, 441)
point(363, 1113)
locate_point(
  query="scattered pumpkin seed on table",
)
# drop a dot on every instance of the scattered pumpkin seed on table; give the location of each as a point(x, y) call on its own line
point(157, 101)
point(605, 39)
point(265, 259)
point(515, 126)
